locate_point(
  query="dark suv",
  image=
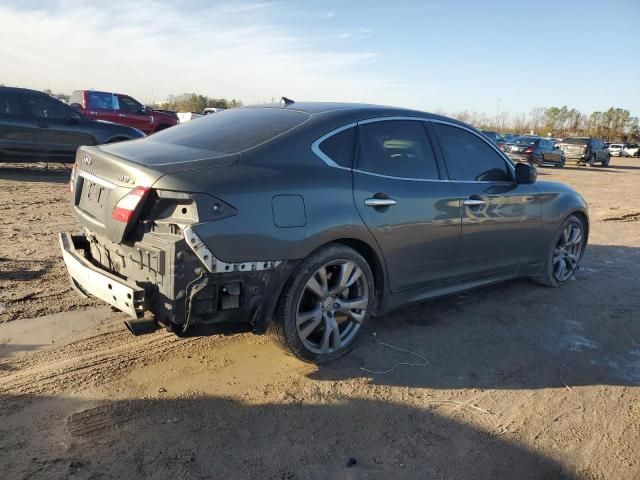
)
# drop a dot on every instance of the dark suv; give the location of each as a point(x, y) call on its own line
point(585, 150)
point(37, 127)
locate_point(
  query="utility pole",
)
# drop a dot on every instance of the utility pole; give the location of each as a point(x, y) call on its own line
point(498, 113)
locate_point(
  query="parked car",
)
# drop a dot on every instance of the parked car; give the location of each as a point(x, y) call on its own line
point(122, 109)
point(536, 151)
point(188, 116)
point(585, 150)
point(631, 150)
point(306, 219)
point(496, 138)
point(35, 126)
point(210, 110)
point(615, 149)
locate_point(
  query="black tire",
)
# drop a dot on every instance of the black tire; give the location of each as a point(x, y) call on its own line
point(546, 276)
point(283, 329)
point(605, 162)
point(591, 161)
point(561, 163)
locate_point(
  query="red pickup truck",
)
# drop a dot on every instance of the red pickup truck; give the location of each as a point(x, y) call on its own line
point(122, 109)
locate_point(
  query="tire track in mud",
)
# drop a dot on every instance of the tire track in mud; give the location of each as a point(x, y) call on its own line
point(85, 363)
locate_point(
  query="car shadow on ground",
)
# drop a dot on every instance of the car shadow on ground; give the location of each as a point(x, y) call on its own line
point(513, 335)
point(21, 270)
point(324, 436)
point(58, 173)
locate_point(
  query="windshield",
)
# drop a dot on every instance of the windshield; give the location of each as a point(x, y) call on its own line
point(576, 141)
point(232, 131)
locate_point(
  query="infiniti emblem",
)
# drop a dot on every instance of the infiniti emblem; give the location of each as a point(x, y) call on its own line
point(87, 160)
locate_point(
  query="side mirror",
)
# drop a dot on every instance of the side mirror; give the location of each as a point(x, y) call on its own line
point(525, 173)
point(556, 147)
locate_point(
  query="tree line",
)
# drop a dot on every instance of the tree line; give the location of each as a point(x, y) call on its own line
point(614, 124)
point(193, 102)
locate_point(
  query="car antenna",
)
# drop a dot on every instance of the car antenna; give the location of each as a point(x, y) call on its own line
point(287, 101)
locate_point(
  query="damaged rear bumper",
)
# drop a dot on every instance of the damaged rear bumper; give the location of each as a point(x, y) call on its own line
point(195, 288)
point(88, 279)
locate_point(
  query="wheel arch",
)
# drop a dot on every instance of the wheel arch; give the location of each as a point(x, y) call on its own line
point(584, 218)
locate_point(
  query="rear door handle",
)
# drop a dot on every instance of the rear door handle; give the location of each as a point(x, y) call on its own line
point(380, 202)
point(473, 202)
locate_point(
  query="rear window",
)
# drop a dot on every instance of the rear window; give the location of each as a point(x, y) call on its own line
point(576, 141)
point(232, 131)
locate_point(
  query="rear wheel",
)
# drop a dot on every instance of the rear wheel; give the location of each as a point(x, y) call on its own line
point(591, 161)
point(564, 255)
point(605, 162)
point(325, 305)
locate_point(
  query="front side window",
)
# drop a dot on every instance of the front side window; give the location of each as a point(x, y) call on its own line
point(469, 158)
point(10, 104)
point(397, 148)
point(129, 105)
point(339, 147)
point(42, 106)
point(100, 101)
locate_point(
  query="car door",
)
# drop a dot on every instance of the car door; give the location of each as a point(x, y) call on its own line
point(500, 219)
point(132, 113)
point(102, 106)
point(400, 195)
point(17, 128)
point(60, 128)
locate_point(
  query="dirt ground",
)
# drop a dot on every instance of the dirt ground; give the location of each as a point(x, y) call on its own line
point(521, 381)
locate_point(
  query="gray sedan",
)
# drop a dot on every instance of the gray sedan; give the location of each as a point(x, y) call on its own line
point(306, 219)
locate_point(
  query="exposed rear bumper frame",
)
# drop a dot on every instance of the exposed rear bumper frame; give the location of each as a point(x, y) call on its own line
point(88, 279)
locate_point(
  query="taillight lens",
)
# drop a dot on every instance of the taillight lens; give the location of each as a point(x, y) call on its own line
point(529, 150)
point(72, 180)
point(126, 206)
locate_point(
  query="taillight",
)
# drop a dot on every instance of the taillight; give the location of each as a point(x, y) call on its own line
point(72, 180)
point(529, 150)
point(126, 206)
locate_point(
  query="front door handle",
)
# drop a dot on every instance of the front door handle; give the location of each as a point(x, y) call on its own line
point(379, 202)
point(473, 202)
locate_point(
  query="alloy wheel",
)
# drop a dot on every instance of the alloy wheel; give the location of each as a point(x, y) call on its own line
point(568, 252)
point(332, 306)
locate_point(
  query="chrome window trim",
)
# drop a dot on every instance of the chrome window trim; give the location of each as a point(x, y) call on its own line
point(315, 147)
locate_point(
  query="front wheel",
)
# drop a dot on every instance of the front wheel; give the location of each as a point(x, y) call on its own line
point(605, 162)
point(561, 163)
point(564, 255)
point(325, 305)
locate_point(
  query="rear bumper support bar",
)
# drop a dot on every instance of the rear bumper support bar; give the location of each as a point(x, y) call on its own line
point(91, 280)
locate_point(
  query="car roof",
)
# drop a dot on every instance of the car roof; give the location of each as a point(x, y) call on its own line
point(20, 90)
point(338, 110)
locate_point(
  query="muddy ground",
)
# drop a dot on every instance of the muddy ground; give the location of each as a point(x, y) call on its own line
point(521, 381)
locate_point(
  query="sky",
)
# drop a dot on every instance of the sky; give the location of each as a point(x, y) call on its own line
point(431, 55)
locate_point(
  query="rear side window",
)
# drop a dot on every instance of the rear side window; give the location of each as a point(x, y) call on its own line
point(397, 148)
point(42, 106)
point(10, 104)
point(469, 158)
point(232, 131)
point(339, 147)
point(101, 101)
